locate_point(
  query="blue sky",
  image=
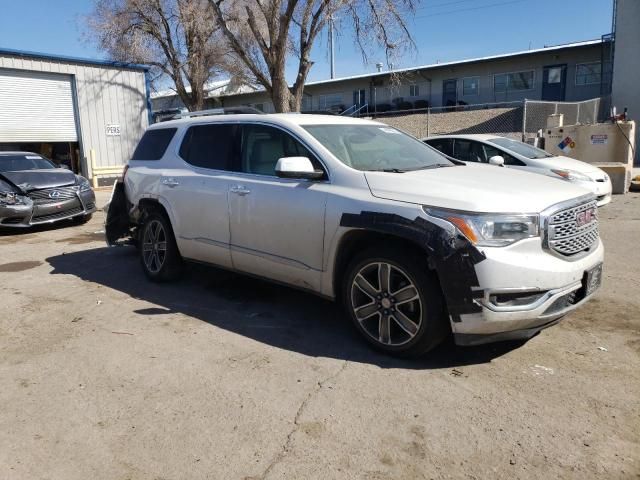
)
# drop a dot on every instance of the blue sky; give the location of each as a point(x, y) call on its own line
point(444, 30)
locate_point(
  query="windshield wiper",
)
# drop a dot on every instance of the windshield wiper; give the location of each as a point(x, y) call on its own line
point(388, 170)
point(428, 167)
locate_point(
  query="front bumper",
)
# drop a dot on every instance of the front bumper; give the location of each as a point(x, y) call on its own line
point(34, 213)
point(540, 289)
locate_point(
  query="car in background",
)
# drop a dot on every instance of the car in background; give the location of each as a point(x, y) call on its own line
point(35, 191)
point(503, 151)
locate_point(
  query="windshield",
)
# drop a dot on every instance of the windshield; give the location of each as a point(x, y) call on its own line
point(521, 148)
point(19, 162)
point(377, 147)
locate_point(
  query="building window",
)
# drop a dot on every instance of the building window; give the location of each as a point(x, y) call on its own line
point(307, 103)
point(470, 86)
point(513, 82)
point(259, 106)
point(329, 101)
point(414, 90)
point(588, 73)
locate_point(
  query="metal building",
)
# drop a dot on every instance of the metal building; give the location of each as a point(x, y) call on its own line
point(85, 114)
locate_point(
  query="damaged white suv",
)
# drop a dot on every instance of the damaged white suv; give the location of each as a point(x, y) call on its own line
point(416, 245)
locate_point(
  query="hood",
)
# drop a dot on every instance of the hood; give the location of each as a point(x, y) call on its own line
point(28, 180)
point(565, 163)
point(474, 188)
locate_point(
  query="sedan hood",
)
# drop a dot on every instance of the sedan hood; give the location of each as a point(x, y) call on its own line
point(28, 180)
point(474, 188)
point(565, 163)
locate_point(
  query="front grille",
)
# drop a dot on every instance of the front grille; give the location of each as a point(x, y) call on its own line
point(53, 195)
point(57, 215)
point(564, 233)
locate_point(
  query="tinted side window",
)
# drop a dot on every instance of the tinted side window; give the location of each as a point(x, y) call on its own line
point(153, 144)
point(210, 146)
point(508, 159)
point(263, 146)
point(468, 151)
point(445, 145)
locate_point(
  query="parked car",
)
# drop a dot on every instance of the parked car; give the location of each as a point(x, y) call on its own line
point(415, 245)
point(34, 191)
point(511, 153)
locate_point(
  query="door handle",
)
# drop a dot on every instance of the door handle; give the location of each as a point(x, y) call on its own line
point(240, 190)
point(170, 182)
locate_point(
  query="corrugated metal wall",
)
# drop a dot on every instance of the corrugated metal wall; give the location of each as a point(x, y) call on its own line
point(105, 96)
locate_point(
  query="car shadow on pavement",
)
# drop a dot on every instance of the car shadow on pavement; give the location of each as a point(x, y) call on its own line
point(265, 312)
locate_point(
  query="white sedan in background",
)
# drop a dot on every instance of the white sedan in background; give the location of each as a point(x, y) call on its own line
point(507, 152)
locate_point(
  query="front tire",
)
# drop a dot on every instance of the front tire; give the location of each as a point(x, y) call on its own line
point(159, 255)
point(395, 302)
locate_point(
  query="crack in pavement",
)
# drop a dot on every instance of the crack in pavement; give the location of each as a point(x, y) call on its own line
point(288, 443)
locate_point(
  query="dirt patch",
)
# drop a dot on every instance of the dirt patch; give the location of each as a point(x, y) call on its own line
point(19, 266)
point(83, 238)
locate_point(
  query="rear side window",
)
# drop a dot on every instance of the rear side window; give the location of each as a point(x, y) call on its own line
point(153, 144)
point(210, 146)
point(468, 151)
point(445, 145)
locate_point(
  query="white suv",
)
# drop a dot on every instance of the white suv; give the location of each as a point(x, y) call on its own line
point(414, 244)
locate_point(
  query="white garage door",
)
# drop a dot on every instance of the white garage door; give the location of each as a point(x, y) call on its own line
point(36, 107)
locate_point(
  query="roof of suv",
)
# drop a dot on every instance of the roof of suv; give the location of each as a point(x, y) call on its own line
point(277, 118)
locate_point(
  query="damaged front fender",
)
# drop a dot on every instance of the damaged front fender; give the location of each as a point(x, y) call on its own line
point(452, 255)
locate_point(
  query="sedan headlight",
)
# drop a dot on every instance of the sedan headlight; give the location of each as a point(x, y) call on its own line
point(491, 230)
point(83, 183)
point(10, 198)
point(573, 176)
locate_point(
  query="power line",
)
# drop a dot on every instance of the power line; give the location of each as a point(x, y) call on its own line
point(460, 10)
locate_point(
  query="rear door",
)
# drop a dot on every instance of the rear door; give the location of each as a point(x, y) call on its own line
point(277, 224)
point(196, 187)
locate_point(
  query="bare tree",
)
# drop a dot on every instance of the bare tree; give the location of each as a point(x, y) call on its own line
point(265, 34)
point(179, 38)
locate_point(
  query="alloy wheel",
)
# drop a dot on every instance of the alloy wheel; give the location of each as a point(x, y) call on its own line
point(386, 303)
point(154, 246)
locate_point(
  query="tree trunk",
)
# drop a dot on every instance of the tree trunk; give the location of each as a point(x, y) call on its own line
point(280, 95)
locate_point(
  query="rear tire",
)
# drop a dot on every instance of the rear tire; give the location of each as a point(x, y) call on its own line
point(159, 255)
point(395, 302)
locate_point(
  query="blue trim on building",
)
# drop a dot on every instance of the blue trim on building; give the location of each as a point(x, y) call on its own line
point(147, 82)
point(65, 58)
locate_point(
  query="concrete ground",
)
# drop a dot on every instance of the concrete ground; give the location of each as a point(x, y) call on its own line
point(107, 376)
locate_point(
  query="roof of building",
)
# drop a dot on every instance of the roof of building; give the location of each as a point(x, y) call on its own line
point(70, 59)
point(215, 88)
point(460, 62)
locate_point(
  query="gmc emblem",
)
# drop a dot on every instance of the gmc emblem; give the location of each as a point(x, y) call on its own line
point(586, 217)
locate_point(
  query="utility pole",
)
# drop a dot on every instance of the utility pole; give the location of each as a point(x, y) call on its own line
point(332, 59)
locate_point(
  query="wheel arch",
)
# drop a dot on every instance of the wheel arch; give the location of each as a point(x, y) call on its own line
point(358, 240)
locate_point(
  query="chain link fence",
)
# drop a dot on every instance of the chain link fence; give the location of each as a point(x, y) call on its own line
point(520, 120)
point(495, 118)
point(587, 112)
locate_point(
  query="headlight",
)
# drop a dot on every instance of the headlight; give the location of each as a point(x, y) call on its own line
point(572, 175)
point(11, 198)
point(488, 229)
point(83, 183)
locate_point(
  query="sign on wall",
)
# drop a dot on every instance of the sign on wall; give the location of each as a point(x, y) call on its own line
point(113, 130)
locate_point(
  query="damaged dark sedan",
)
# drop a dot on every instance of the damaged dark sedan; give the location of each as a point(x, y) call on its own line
point(34, 191)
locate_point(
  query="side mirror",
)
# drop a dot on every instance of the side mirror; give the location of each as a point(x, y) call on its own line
point(297, 167)
point(497, 160)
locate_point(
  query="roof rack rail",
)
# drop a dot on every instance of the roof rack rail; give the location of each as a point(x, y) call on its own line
point(221, 111)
